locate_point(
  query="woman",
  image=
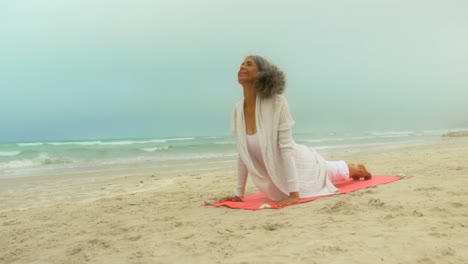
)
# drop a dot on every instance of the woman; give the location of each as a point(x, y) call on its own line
point(262, 125)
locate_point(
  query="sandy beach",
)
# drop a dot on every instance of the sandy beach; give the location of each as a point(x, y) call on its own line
point(155, 215)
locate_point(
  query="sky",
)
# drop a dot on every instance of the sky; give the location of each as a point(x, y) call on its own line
point(87, 69)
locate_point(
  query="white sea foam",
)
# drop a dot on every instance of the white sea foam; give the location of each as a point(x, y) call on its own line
point(9, 153)
point(41, 159)
point(440, 132)
point(390, 133)
point(198, 156)
point(367, 145)
point(359, 138)
point(123, 142)
point(155, 149)
point(224, 143)
point(186, 138)
point(162, 140)
point(178, 157)
point(83, 143)
point(103, 143)
point(332, 147)
point(106, 143)
point(332, 139)
point(15, 164)
point(45, 159)
point(155, 141)
point(313, 140)
point(394, 136)
point(31, 144)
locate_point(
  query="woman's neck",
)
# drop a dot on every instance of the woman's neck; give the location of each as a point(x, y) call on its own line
point(250, 96)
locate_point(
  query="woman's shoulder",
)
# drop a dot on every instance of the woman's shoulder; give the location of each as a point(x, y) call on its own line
point(280, 100)
point(274, 98)
point(237, 107)
point(280, 97)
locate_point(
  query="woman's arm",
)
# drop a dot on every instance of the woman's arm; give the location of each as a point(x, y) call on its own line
point(242, 173)
point(286, 145)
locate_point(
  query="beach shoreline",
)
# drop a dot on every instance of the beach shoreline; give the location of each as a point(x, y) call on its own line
point(154, 215)
point(24, 159)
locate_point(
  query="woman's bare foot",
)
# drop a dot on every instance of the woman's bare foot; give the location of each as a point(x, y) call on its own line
point(359, 171)
point(365, 172)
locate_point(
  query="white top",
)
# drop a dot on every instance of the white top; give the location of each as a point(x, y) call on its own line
point(262, 180)
point(254, 148)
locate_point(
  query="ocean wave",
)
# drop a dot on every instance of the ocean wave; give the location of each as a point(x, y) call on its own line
point(435, 132)
point(224, 143)
point(45, 159)
point(333, 147)
point(359, 138)
point(440, 132)
point(177, 157)
point(199, 156)
point(313, 140)
point(324, 139)
point(155, 141)
point(185, 138)
point(83, 143)
point(390, 133)
point(394, 136)
point(107, 143)
point(30, 144)
point(41, 159)
point(321, 140)
point(103, 143)
point(366, 145)
point(15, 164)
point(9, 153)
point(155, 149)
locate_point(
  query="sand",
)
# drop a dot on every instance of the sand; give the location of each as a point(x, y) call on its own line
point(155, 215)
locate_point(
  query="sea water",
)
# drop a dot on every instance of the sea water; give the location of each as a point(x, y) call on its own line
point(53, 157)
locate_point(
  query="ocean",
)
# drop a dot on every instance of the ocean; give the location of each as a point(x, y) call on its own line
point(54, 157)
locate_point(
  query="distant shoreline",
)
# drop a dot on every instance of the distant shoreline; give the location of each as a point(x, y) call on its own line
point(456, 134)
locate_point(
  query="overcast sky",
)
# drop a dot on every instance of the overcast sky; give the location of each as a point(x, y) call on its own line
point(87, 69)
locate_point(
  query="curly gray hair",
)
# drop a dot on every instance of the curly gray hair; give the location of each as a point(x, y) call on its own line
point(270, 80)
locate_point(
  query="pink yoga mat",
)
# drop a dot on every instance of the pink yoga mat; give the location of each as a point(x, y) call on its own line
point(259, 201)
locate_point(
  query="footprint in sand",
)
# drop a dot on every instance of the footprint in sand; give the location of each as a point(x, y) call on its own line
point(273, 227)
point(73, 251)
point(438, 235)
point(376, 203)
point(439, 210)
point(457, 205)
point(448, 252)
point(417, 213)
point(426, 260)
point(133, 238)
point(428, 189)
point(99, 242)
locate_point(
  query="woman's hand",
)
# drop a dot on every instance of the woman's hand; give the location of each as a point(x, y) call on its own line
point(292, 199)
point(230, 198)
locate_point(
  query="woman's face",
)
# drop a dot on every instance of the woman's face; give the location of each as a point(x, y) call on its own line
point(248, 71)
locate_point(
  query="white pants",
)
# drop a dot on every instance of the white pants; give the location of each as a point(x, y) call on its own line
point(337, 170)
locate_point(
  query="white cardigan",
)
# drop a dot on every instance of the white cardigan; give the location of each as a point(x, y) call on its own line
point(292, 167)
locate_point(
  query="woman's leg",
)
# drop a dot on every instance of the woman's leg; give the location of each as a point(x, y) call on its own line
point(338, 171)
point(342, 171)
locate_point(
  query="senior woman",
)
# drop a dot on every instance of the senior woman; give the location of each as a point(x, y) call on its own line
point(261, 124)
